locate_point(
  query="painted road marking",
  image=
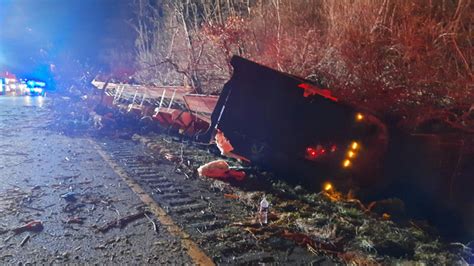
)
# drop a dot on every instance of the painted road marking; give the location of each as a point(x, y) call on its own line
point(193, 250)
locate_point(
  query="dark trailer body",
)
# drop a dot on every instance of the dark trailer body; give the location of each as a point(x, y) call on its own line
point(288, 124)
point(297, 129)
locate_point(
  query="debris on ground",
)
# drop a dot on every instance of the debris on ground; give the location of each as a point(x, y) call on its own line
point(263, 211)
point(231, 196)
point(155, 227)
point(327, 222)
point(23, 242)
point(39, 165)
point(70, 196)
point(72, 207)
point(226, 148)
point(220, 169)
point(122, 222)
point(75, 220)
point(33, 226)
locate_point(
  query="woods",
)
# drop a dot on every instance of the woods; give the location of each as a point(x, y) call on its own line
point(399, 59)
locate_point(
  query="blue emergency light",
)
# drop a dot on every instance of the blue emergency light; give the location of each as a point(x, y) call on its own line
point(36, 87)
point(33, 84)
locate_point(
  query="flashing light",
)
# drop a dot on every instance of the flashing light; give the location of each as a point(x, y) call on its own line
point(33, 83)
point(359, 117)
point(327, 186)
point(350, 154)
point(354, 145)
point(37, 90)
point(40, 83)
point(346, 163)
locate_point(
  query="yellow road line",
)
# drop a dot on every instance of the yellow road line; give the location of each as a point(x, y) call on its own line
point(193, 250)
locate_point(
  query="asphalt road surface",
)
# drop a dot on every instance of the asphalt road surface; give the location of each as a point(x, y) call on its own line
point(39, 166)
point(90, 198)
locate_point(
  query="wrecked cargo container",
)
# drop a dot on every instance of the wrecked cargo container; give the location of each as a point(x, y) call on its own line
point(296, 127)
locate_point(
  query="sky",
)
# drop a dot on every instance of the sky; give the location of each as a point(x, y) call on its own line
point(39, 32)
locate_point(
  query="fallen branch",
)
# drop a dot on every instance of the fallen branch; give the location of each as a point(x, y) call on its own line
point(33, 208)
point(67, 177)
point(23, 242)
point(122, 222)
point(231, 196)
point(75, 220)
point(306, 241)
point(155, 227)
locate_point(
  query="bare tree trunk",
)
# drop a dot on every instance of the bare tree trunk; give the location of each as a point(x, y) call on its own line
point(194, 79)
point(276, 4)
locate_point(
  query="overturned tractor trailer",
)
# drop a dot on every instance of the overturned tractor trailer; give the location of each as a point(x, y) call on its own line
point(296, 128)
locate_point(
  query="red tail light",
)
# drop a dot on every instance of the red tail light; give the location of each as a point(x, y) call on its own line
point(317, 151)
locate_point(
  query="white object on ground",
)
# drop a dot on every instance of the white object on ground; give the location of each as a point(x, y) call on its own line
point(263, 210)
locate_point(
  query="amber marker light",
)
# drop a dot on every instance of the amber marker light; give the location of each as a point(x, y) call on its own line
point(346, 163)
point(327, 186)
point(350, 154)
point(359, 117)
point(354, 145)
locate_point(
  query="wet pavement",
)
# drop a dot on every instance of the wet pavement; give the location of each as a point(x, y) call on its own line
point(37, 167)
point(115, 197)
point(91, 193)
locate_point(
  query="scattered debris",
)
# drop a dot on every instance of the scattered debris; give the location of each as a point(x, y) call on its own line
point(70, 196)
point(231, 196)
point(34, 226)
point(8, 238)
point(23, 242)
point(299, 211)
point(307, 241)
point(155, 227)
point(219, 169)
point(122, 222)
point(49, 206)
point(226, 148)
point(263, 211)
point(223, 143)
point(170, 157)
point(329, 218)
point(72, 207)
point(75, 220)
point(67, 177)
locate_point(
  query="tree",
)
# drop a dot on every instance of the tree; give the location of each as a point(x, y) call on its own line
point(392, 57)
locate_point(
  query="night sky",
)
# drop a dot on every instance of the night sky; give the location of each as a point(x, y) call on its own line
point(35, 32)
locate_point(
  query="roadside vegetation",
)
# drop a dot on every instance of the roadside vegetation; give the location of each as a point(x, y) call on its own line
point(409, 62)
